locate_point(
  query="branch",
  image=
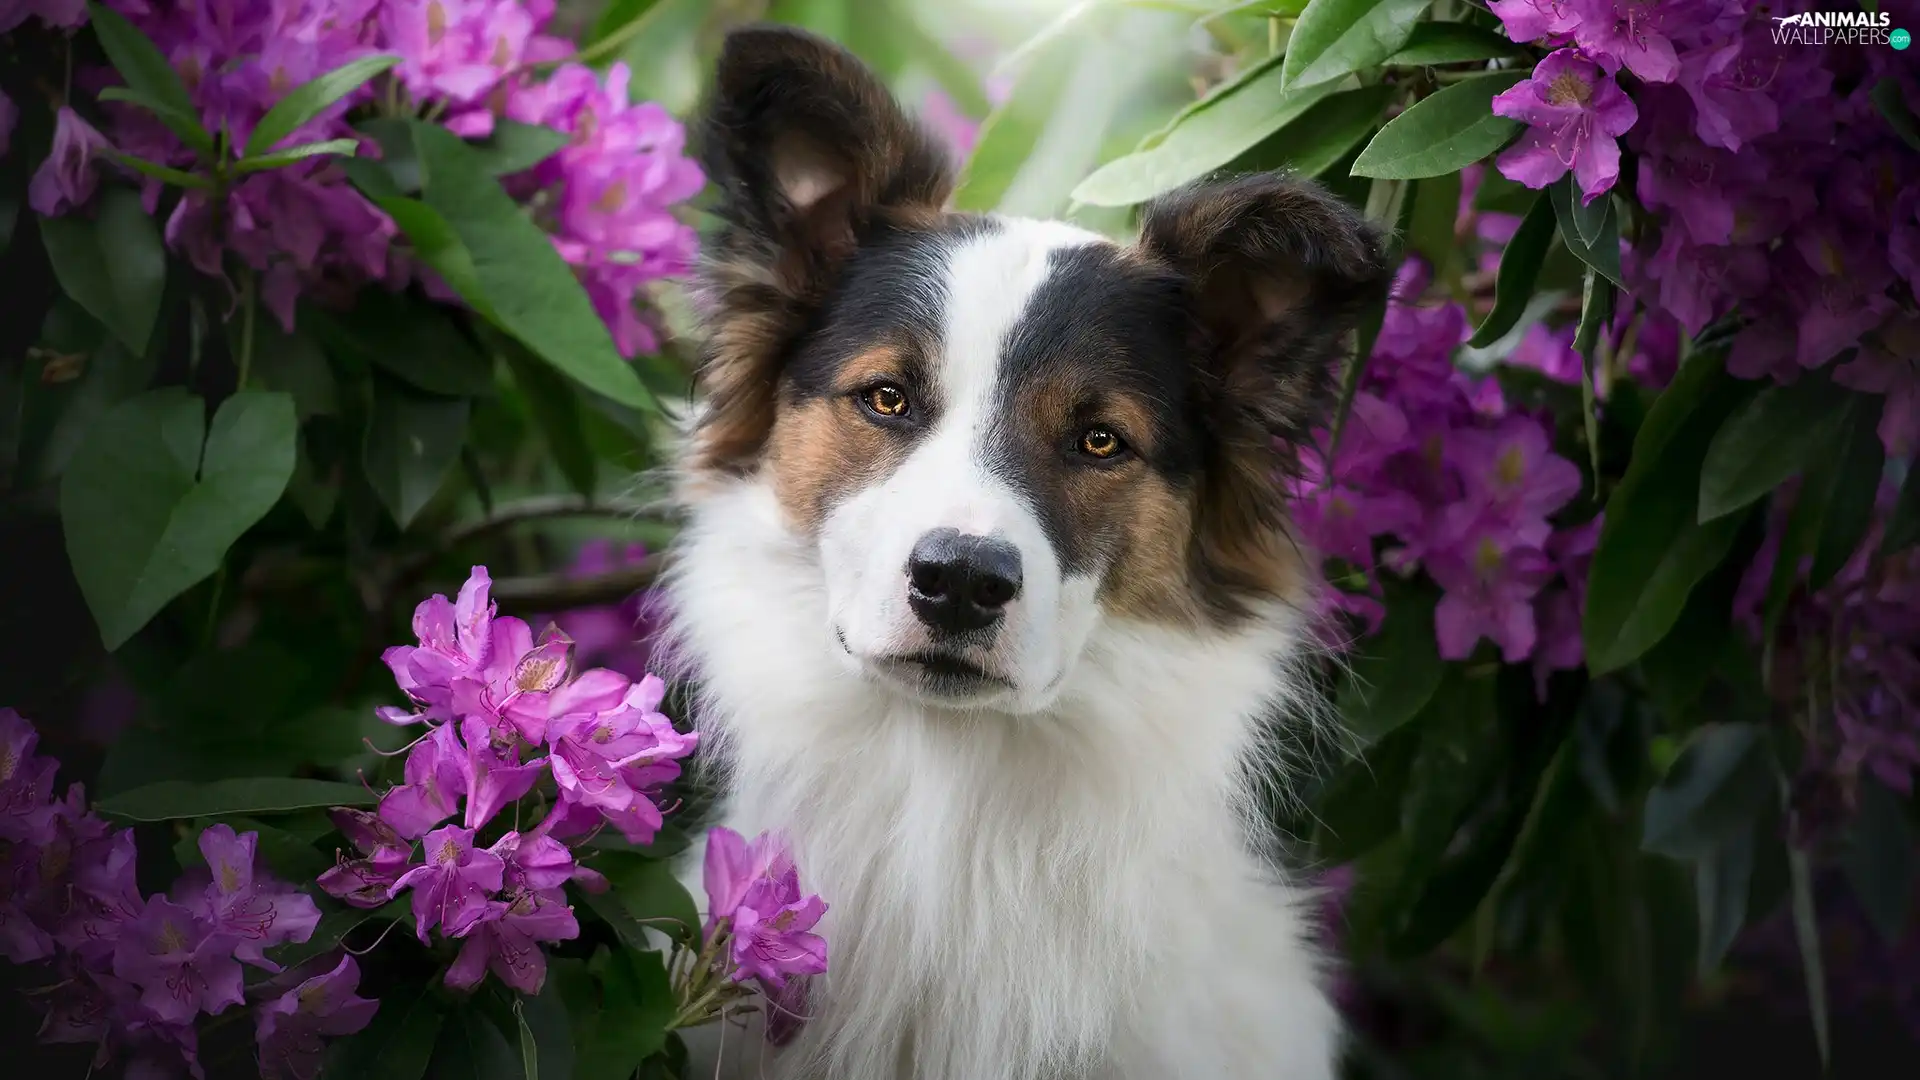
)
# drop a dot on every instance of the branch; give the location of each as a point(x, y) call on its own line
point(555, 593)
point(538, 508)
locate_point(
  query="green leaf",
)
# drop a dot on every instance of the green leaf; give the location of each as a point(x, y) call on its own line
point(412, 440)
point(1721, 882)
point(1590, 218)
point(290, 857)
point(57, 415)
point(1233, 122)
point(418, 342)
point(546, 1026)
point(1441, 133)
point(336, 925)
point(1392, 675)
point(630, 1023)
point(1715, 788)
point(1879, 860)
point(399, 157)
point(555, 407)
point(152, 500)
point(1903, 524)
point(1519, 271)
point(294, 364)
point(472, 1048)
point(159, 172)
point(305, 102)
point(1857, 469)
point(172, 800)
point(149, 76)
point(1335, 38)
point(1806, 933)
point(437, 245)
point(1769, 439)
point(1596, 309)
point(1431, 231)
point(521, 282)
point(344, 147)
point(1893, 106)
point(1603, 252)
point(650, 892)
point(1322, 135)
point(1437, 43)
point(398, 1044)
point(515, 147)
point(113, 265)
point(529, 1046)
point(1652, 549)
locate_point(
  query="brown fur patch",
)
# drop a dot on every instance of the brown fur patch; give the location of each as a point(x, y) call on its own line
point(823, 449)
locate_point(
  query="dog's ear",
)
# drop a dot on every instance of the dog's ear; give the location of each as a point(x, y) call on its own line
point(810, 153)
point(1278, 274)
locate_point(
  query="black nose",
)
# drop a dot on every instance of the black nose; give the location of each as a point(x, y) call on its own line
point(959, 583)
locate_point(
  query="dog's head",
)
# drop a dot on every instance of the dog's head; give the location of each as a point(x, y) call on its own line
point(994, 433)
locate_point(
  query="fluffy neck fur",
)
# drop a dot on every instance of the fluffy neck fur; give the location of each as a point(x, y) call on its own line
point(1005, 891)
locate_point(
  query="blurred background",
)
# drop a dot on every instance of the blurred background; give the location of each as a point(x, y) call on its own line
point(1596, 978)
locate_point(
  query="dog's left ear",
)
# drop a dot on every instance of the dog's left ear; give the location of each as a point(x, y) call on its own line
point(1278, 273)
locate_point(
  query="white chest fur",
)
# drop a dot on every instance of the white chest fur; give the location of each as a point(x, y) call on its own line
point(1069, 894)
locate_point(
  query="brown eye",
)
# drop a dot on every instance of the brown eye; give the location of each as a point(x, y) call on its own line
point(887, 400)
point(1101, 443)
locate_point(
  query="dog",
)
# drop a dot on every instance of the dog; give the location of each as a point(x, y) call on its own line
point(989, 595)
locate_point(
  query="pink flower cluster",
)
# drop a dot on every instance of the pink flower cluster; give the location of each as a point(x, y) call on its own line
point(759, 925)
point(607, 196)
point(134, 973)
point(1781, 190)
point(1858, 639)
point(1435, 471)
point(503, 713)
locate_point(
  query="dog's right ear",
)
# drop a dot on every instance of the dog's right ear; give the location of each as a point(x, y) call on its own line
point(810, 152)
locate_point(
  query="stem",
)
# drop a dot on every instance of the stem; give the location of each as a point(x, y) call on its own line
point(248, 302)
point(213, 607)
point(609, 44)
point(694, 1008)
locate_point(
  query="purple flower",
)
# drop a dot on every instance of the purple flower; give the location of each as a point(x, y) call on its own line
point(733, 864)
point(1575, 112)
point(537, 862)
point(436, 780)
point(511, 688)
point(367, 881)
point(1531, 20)
point(291, 1030)
point(506, 940)
point(452, 888)
point(1641, 33)
point(180, 964)
point(9, 116)
point(1699, 283)
point(771, 939)
point(1727, 84)
point(66, 179)
point(456, 640)
point(601, 723)
point(1490, 582)
point(255, 911)
point(1513, 470)
point(495, 776)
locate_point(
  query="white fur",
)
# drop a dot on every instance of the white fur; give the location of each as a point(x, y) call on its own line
point(1062, 883)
